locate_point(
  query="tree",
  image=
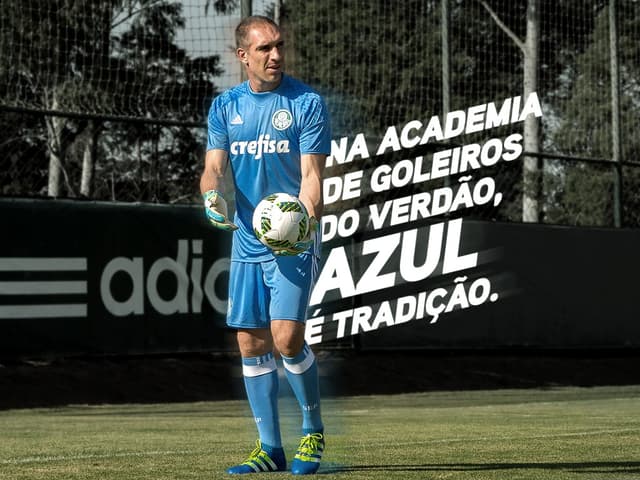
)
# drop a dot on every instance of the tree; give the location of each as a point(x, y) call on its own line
point(109, 57)
point(372, 74)
point(530, 52)
point(379, 66)
point(583, 191)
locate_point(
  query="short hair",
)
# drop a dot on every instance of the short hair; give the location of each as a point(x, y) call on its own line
point(242, 30)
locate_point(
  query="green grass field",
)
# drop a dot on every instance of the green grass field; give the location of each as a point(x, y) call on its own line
point(563, 433)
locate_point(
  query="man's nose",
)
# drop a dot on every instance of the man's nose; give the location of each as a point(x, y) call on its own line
point(275, 53)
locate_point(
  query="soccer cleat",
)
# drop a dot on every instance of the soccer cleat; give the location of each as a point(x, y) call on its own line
point(307, 459)
point(261, 461)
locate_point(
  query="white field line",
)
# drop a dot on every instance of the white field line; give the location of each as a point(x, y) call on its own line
point(510, 437)
point(94, 456)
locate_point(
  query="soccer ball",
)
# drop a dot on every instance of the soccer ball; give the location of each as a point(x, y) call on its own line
point(280, 221)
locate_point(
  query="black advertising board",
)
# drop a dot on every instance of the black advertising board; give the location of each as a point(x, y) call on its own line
point(88, 278)
point(93, 278)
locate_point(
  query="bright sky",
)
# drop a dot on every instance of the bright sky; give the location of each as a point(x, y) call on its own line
point(213, 34)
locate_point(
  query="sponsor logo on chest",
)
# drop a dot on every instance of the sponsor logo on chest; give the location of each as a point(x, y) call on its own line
point(264, 144)
point(281, 120)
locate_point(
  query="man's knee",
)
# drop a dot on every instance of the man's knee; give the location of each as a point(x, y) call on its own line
point(288, 336)
point(254, 342)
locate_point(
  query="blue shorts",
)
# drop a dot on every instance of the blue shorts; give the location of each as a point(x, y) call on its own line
point(277, 289)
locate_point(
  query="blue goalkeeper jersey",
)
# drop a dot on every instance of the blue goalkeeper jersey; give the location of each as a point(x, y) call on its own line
point(264, 134)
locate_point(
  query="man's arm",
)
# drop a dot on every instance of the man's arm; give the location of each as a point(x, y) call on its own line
point(311, 196)
point(215, 166)
point(312, 165)
point(212, 189)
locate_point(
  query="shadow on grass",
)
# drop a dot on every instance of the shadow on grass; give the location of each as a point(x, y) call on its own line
point(577, 467)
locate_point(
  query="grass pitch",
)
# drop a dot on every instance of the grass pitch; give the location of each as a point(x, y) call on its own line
point(563, 433)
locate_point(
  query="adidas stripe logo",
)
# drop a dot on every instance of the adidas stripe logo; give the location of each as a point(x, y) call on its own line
point(50, 286)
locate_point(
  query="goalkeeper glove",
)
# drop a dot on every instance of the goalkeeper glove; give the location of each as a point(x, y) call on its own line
point(215, 208)
point(304, 244)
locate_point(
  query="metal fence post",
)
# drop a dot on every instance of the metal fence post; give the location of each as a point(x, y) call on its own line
point(616, 152)
point(446, 65)
point(246, 10)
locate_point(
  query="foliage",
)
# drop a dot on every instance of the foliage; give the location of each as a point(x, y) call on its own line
point(583, 193)
point(24, 142)
point(109, 57)
point(376, 63)
point(372, 73)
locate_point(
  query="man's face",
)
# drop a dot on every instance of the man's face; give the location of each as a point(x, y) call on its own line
point(263, 57)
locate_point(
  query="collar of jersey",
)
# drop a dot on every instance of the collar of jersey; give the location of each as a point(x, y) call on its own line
point(264, 97)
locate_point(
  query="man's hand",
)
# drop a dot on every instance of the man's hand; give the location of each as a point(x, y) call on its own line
point(304, 244)
point(215, 208)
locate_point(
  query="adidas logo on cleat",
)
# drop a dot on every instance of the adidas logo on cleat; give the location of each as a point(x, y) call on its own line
point(261, 461)
point(309, 454)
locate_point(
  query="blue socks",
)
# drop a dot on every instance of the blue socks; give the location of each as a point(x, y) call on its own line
point(302, 373)
point(261, 382)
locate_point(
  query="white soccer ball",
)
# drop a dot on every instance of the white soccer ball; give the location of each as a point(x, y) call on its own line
point(280, 220)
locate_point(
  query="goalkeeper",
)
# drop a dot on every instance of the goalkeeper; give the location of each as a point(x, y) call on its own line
point(274, 132)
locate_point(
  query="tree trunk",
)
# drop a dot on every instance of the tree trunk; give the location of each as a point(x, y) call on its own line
point(89, 158)
point(55, 126)
point(532, 167)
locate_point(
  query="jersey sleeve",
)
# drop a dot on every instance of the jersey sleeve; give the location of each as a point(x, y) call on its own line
point(315, 136)
point(217, 137)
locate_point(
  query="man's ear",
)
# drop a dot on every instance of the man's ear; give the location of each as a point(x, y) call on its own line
point(241, 53)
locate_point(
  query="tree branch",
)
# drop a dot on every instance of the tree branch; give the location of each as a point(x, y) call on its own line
point(504, 28)
point(133, 13)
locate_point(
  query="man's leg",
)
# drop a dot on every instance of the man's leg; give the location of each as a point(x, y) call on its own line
point(261, 383)
point(248, 313)
point(301, 370)
point(302, 373)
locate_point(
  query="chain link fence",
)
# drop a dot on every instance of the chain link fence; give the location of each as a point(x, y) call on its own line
point(107, 100)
